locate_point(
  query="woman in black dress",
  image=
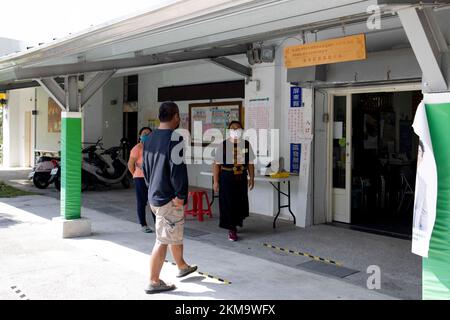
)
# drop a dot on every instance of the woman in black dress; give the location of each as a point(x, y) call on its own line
point(234, 174)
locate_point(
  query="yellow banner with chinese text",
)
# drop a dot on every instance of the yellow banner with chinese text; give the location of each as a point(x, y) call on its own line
point(343, 49)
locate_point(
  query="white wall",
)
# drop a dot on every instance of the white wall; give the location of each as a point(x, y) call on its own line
point(23, 100)
point(11, 120)
point(27, 101)
point(47, 141)
point(93, 118)
point(301, 186)
point(262, 198)
point(19, 102)
point(112, 112)
point(196, 73)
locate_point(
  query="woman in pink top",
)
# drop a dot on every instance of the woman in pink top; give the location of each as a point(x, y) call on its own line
point(135, 167)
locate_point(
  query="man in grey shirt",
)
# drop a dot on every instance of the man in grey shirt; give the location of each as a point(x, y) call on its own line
point(167, 181)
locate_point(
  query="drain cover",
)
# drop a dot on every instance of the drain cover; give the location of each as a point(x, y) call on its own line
point(194, 233)
point(328, 269)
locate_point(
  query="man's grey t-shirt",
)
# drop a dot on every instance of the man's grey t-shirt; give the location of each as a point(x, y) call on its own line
point(165, 178)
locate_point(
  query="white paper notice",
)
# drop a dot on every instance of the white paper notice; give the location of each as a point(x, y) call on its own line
point(338, 127)
point(257, 114)
point(299, 124)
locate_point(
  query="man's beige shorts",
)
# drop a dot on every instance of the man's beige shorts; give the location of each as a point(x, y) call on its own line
point(169, 224)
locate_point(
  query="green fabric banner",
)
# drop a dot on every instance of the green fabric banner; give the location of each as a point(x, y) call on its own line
point(71, 165)
point(436, 268)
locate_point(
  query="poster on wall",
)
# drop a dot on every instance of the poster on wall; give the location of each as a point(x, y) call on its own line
point(425, 199)
point(54, 116)
point(258, 113)
point(214, 115)
point(184, 124)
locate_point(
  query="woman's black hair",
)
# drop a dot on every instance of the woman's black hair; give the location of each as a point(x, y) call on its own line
point(235, 122)
point(144, 128)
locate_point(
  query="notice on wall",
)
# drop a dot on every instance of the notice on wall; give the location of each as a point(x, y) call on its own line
point(299, 124)
point(304, 160)
point(257, 114)
point(338, 129)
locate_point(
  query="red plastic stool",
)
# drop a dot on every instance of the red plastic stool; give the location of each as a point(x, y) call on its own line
point(197, 205)
point(194, 209)
point(201, 211)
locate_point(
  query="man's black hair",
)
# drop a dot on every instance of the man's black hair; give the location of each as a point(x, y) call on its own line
point(167, 111)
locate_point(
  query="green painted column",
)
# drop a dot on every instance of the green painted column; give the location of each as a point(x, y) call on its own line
point(436, 268)
point(71, 165)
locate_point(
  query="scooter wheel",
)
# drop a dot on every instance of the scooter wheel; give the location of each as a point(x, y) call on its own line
point(40, 181)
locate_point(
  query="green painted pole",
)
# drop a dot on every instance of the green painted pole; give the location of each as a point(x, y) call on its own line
point(71, 165)
point(436, 268)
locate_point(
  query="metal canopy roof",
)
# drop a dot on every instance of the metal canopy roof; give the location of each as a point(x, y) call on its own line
point(183, 30)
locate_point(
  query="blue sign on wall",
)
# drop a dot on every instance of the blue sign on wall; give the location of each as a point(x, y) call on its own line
point(296, 97)
point(296, 151)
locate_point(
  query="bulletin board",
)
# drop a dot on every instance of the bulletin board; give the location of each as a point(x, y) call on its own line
point(214, 115)
point(54, 116)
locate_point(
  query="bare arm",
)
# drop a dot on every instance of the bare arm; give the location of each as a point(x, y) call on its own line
point(132, 164)
point(251, 174)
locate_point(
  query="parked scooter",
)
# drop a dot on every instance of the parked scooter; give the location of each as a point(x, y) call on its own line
point(42, 171)
point(105, 167)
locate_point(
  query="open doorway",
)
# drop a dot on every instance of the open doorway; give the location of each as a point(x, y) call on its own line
point(384, 160)
point(374, 160)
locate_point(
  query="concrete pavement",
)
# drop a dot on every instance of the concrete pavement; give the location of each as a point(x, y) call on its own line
point(113, 263)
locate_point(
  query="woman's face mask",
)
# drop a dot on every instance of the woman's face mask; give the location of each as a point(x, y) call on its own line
point(144, 137)
point(235, 133)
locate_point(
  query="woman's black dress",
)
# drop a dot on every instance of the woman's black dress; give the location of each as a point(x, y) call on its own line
point(233, 190)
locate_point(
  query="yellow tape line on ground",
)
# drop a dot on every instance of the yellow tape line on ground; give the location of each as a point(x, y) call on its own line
point(303, 254)
point(206, 274)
